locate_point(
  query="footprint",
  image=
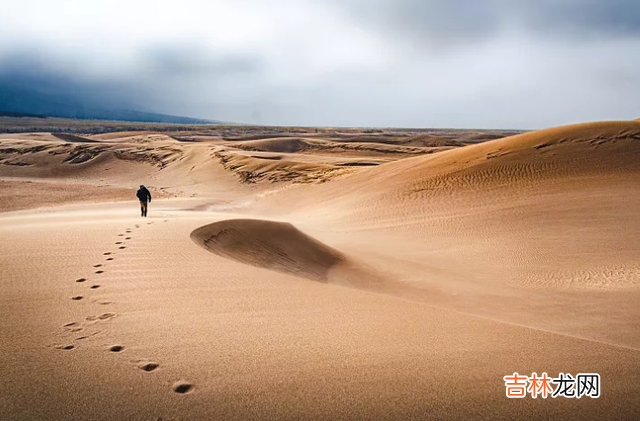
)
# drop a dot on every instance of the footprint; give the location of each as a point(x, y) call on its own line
point(120, 235)
point(70, 324)
point(103, 316)
point(81, 280)
point(95, 286)
point(66, 347)
point(104, 303)
point(99, 271)
point(107, 253)
point(97, 266)
point(77, 297)
point(148, 366)
point(128, 238)
point(109, 258)
point(116, 348)
point(119, 242)
point(182, 387)
point(122, 247)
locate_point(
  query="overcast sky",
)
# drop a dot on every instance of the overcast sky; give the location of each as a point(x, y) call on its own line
point(414, 63)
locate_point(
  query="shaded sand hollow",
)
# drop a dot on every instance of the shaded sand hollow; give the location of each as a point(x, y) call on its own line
point(289, 286)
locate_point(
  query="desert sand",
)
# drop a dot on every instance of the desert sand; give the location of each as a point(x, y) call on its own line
point(318, 276)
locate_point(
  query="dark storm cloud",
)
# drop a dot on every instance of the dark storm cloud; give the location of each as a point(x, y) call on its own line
point(471, 21)
point(162, 78)
point(29, 82)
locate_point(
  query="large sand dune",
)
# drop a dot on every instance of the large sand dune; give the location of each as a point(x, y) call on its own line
point(336, 275)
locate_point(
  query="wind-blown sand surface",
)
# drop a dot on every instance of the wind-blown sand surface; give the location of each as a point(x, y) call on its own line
point(284, 285)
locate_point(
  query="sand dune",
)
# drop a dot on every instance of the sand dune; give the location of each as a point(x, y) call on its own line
point(551, 211)
point(67, 137)
point(253, 169)
point(593, 148)
point(280, 277)
point(271, 245)
point(290, 144)
point(119, 135)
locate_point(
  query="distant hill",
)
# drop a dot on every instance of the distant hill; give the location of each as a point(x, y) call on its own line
point(114, 115)
point(20, 98)
point(17, 114)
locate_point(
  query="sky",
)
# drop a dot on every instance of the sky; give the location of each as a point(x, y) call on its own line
point(510, 64)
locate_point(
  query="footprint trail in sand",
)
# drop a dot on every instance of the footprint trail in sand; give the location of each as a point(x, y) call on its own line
point(146, 365)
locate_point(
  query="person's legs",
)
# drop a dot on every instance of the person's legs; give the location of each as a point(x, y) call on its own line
point(146, 204)
point(143, 206)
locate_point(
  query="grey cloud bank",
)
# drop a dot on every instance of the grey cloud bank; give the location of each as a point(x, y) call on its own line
point(458, 63)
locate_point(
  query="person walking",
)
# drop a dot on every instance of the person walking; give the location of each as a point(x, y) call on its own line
point(145, 197)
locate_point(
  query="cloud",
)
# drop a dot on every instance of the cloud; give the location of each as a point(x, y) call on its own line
point(611, 18)
point(471, 21)
point(455, 63)
point(187, 61)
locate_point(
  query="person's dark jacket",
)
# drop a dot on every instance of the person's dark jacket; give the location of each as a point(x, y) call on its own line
point(143, 194)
